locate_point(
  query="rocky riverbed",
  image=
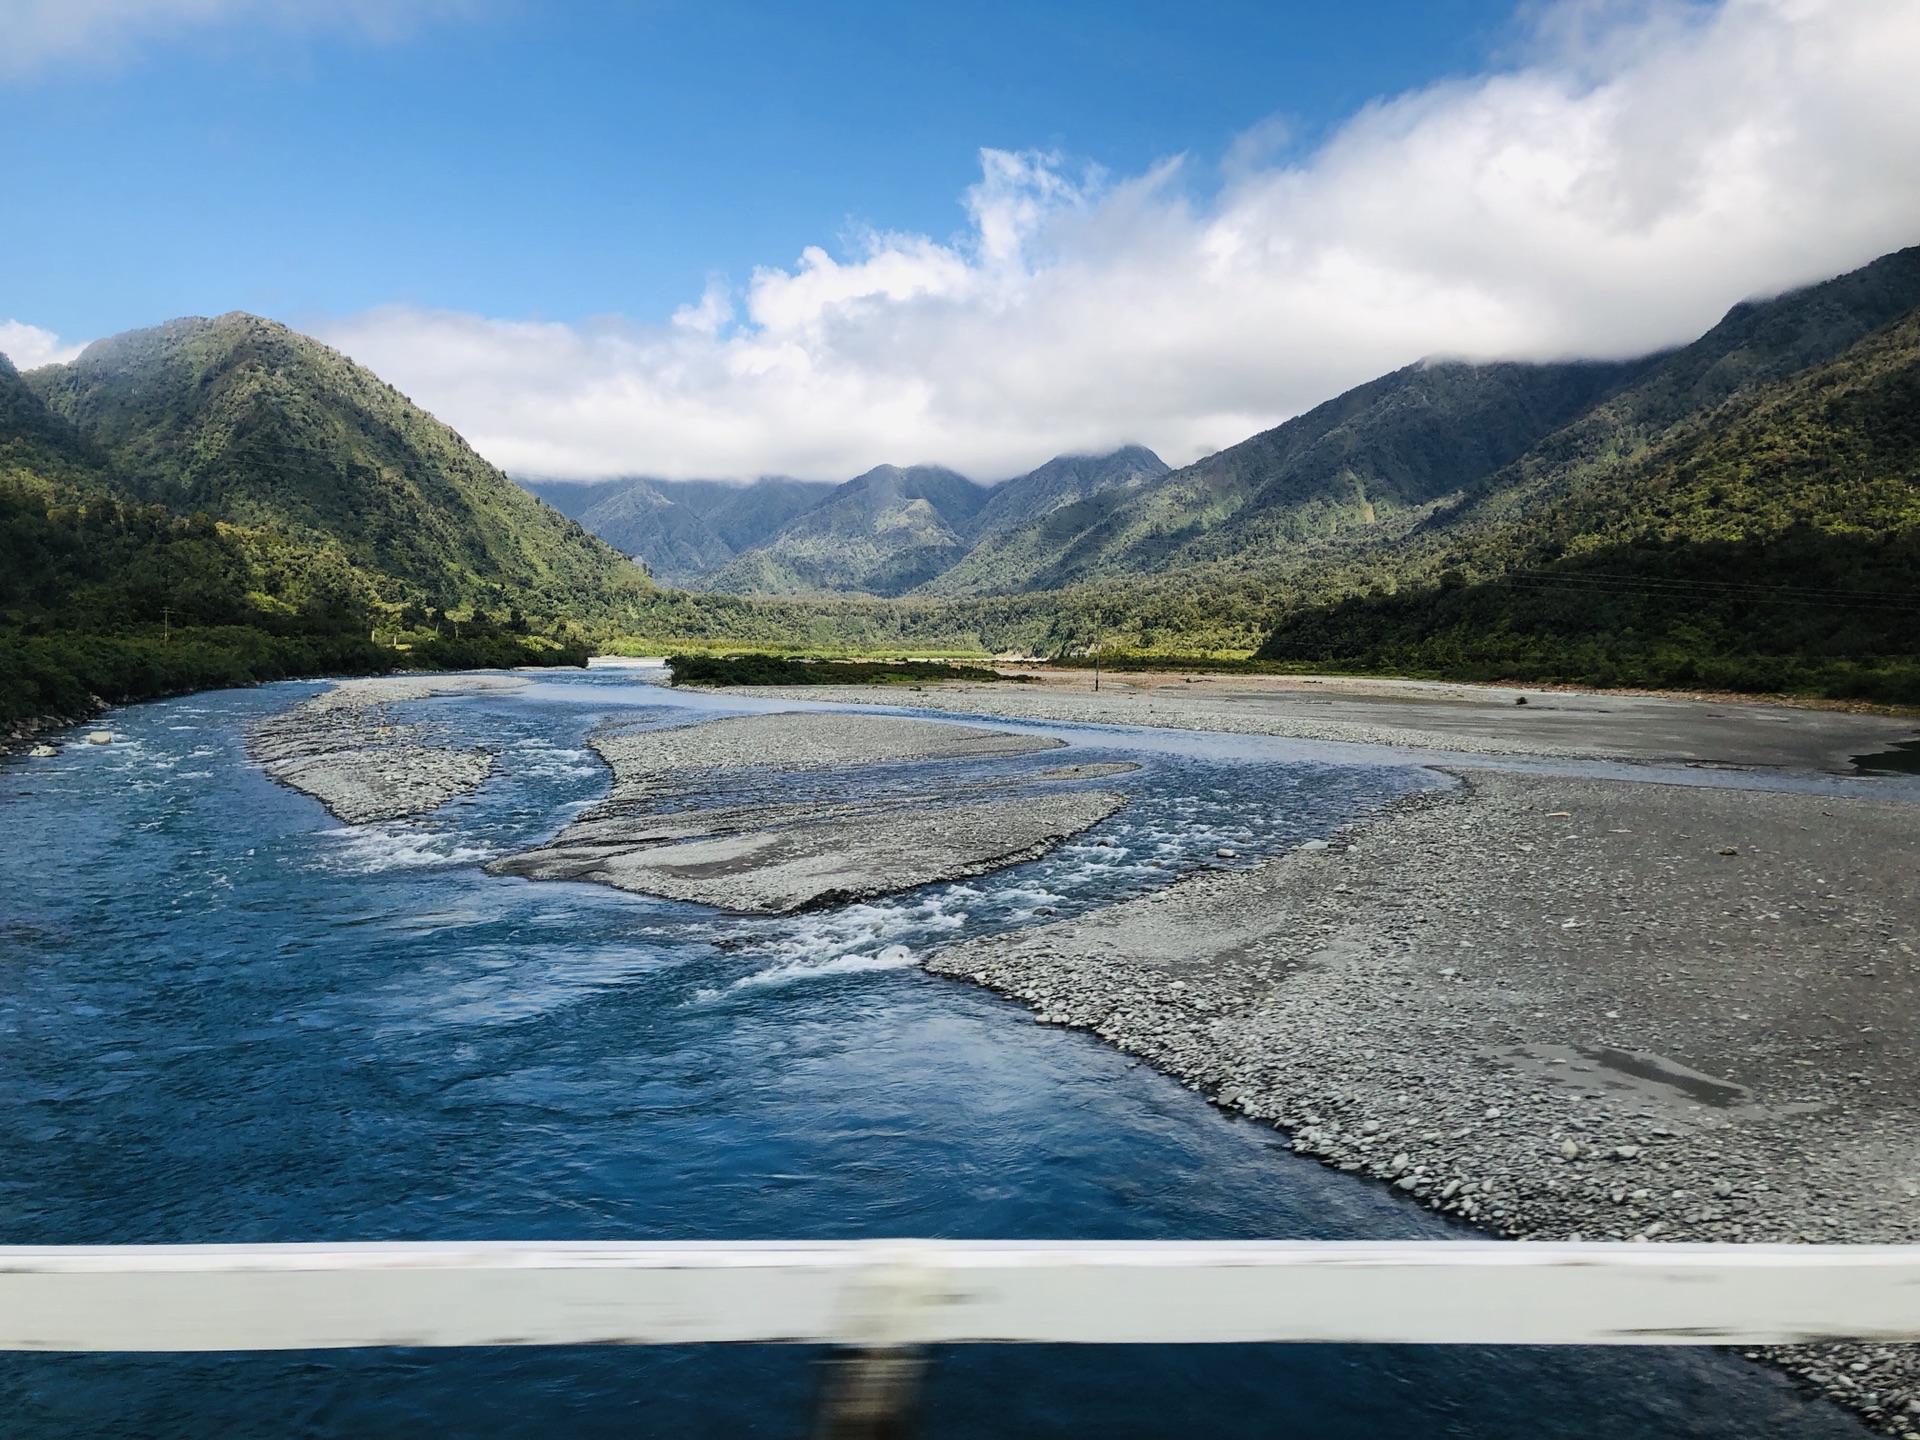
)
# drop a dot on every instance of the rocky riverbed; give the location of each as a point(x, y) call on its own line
point(1554, 1008)
point(1482, 720)
point(344, 749)
point(857, 834)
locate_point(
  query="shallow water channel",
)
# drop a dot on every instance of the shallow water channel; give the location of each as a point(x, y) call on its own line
point(224, 1017)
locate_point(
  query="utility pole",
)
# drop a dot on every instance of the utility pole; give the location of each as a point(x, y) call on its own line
point(1099, 633)
point(166, 624)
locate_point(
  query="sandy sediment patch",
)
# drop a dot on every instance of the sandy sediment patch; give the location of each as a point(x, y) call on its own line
point(1125, 704)
point(1464, 719)
point(1554, 1008)
point(773, 860)
point(646, 761)
point(341, 748)
point(778, 854)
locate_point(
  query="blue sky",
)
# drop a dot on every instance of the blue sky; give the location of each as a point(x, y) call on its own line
point(583, 159)
point(570, 160)
point(731, 238)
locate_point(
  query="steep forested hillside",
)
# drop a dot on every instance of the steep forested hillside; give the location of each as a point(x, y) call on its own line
point(115, 600)
point(245, 421)
point(881, 533)
point(1365, 462)
point(682, 530)
point(1757, 344)
point(1772, 542)
point(1367, 481)
point(1021, 529)
point(224, 502)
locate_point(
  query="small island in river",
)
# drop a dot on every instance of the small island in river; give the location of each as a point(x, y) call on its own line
point(773, 855)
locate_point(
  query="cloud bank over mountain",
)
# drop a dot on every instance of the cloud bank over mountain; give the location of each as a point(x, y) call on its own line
point(1641, 168)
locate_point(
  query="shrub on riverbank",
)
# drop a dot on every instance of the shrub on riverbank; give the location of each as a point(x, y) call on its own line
point(785, 670)
point(67, 677)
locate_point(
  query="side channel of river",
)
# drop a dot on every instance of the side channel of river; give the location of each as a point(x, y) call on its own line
point(224, 1017)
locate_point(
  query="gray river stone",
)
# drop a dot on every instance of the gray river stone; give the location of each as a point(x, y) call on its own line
point(345, 750)
point(784, 854)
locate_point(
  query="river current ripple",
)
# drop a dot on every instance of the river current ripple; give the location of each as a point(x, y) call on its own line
point(224, 1017)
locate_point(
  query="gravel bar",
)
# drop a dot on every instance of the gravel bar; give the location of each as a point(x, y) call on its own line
point(341, 748)
point(1553, 1008)
point(776, 855)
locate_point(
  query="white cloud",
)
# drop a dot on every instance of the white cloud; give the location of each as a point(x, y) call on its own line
point(29, 347)
point(1645, 167)
point(39, 33)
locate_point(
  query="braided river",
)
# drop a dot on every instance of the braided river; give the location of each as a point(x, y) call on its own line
point(226, 1017)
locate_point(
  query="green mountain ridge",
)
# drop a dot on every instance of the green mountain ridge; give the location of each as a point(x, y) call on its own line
point(251, 423)
point(706, 534)
point(1757, 344)
point(1019, 528)
point(1772, 542)
point(1365, 490)
point(881, 533)
point(683, 530)
point(1366, 460)
point(226, 498)
point(223, 502)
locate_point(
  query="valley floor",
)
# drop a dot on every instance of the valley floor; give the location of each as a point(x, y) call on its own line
point(1449, 718)
point(1591, 1002)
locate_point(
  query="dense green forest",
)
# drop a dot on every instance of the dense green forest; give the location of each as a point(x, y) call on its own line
point(107, 595)
point(1731, 513)
point(1771, 544)
point(786, 670)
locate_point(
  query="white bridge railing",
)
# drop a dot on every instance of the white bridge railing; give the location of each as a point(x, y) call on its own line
point(897, 1294)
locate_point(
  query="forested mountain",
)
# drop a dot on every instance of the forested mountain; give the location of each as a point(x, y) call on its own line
point(1019, 531)
point(881, 533)
point(100, 598)
point(223, 501)
point(1771, 542)
point(1367, 461)
point(248, 422)
point(573, 498)
point(1757, 344)
point(743, 516)
point(669, 538)
point(685, 529)
point(681, 529)
point(1363, 490)
point(885, 529)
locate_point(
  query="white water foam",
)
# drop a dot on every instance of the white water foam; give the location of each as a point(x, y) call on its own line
point(894, 957)
point(373, 849)
point(846, 941)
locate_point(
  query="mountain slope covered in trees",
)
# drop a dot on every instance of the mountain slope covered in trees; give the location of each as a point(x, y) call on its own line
point(250, 423)
point(881, 533)
point(683, 530)
point(1773, 542)
point(220, 502)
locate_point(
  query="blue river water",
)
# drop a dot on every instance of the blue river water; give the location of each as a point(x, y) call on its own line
point(225, 1017)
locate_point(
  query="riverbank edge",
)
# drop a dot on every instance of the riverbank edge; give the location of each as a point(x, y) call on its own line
point(1195, 1059)
point(26, 734)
